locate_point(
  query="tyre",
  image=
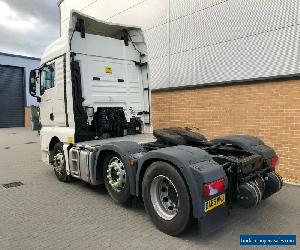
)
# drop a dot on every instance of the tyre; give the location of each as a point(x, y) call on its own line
point(116, 178)
point(59, 163)
point(166, 198)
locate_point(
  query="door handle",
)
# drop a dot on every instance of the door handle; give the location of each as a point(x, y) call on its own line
point(51, 116)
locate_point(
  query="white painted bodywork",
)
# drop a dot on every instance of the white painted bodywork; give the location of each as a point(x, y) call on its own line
point(97, 51)
point(46, 135)
point(53, 99)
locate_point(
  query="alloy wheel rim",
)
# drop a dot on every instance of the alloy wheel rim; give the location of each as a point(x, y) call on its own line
point(116, 174)
point(164, 197)
point(59, 162)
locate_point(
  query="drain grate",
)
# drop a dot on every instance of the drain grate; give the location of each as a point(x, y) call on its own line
point(12, 184)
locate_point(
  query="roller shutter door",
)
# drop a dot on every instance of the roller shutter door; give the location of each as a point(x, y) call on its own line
point(11, 97)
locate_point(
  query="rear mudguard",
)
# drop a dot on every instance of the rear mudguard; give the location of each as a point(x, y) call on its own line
point(195, 165)
point(249, 143)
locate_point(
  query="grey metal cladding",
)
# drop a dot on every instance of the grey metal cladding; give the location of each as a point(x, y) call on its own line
point(233, 40)
point(146, 14)
point(268, 54)
point(180, 8)
point(159, 71)
point(157, 41)
point(231, 20)
point(112, 8)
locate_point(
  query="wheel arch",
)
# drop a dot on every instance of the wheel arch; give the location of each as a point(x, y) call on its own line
point(175, 156)
point(98, 172)
point(54, 140)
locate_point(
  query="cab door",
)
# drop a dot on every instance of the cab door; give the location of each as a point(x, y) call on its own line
point(47, 80)
point(52, 108)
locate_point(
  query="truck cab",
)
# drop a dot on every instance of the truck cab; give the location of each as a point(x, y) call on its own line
point(93, 84)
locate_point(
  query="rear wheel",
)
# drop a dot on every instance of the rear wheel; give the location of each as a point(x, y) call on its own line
point(116, 178)
point(59, 163)
point(166, 198)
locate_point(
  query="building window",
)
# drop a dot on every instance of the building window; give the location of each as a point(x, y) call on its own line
point(47, 78)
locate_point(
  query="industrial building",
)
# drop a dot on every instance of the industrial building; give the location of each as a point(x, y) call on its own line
point(218, 66)
point(14, 94)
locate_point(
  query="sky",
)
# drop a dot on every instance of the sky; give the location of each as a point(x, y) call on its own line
point(27, 27)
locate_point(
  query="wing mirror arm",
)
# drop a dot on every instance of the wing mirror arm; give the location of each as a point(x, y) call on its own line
point(32, 85)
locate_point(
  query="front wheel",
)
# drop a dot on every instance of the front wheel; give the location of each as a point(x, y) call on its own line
point(166, 198)
point(59, 163)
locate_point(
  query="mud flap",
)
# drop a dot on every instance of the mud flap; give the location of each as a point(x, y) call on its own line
point(213, 221)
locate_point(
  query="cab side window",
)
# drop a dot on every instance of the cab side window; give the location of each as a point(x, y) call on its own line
point(47, 78)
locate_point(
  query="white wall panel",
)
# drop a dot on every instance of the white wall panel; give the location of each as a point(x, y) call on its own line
point(105, 9)
point(269, 54)
point(231, 20)
point(146, 15)
point(159, 72)
point(157, 41)
point(180, 8)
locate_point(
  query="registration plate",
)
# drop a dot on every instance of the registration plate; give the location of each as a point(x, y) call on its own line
point(214, 202)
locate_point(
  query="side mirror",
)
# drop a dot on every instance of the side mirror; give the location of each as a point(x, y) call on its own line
point(32, 83)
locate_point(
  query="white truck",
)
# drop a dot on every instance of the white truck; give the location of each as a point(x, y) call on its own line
point(93, 86)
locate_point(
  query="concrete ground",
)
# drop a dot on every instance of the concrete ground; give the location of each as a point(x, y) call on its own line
point(44, 213)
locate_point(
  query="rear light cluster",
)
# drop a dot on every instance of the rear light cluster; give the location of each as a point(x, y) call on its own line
point(274, 162)
point(213, 188)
